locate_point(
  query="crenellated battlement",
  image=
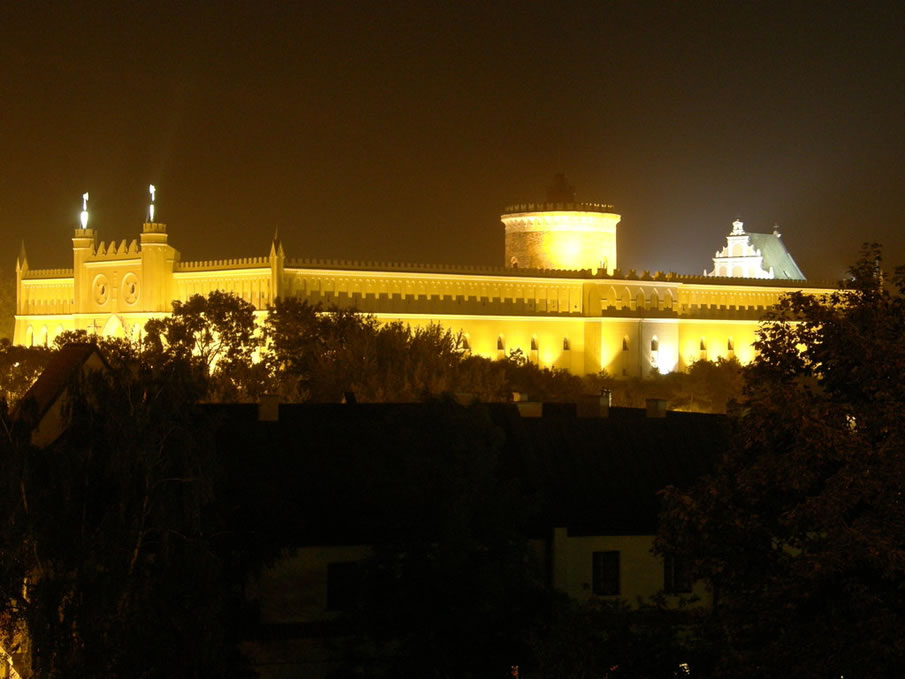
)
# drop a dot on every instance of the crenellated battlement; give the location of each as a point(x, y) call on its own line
point(112, 251)
point(413, 267)
point(571, 206)
point(217, 264)
point(47, 273)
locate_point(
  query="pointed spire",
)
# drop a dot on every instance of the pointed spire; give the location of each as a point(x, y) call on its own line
point(276, 245)
point(22, 259)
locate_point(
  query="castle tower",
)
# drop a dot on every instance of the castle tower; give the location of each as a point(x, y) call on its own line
point(157, 261)
point(84, 244)
point(21, 270)
point(560, 233)
point(277, 262)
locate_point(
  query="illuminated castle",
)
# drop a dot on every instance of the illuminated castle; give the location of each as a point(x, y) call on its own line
point(560, 297)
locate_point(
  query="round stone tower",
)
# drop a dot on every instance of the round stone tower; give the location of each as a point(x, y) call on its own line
point(560, 233)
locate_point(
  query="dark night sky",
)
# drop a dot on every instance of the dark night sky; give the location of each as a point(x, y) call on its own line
point(398, 130)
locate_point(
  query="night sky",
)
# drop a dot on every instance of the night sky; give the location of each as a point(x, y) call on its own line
point(399, 130)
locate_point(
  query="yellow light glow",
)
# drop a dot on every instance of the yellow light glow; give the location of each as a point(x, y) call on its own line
point(83, 217)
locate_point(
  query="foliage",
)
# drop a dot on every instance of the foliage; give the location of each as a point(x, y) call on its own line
point(216, 336)
point(612, 639)
point(19, 368)
point(801, 531)
point(319, 355)
point(109, 530)
point(707, 387)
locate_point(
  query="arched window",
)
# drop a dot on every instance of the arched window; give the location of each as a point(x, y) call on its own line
point(730, 345)
point(654, 345)
point(565, 344)
point(534, 344)
point(625, 343)
point(500, 344)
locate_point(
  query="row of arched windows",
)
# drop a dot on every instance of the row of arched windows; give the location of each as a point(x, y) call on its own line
point(501, 344)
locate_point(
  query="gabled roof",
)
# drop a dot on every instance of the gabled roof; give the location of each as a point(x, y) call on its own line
point(41, 404)
point(776, 255)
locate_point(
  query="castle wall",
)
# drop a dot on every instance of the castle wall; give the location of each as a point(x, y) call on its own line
point(625, 324)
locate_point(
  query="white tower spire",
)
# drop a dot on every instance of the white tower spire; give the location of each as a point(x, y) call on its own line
point(152, 190)
point(83, 218)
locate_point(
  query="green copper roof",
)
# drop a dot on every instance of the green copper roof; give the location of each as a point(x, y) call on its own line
point(776, 255)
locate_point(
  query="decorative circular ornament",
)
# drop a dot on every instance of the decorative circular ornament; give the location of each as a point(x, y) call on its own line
point(101, 289)
point(130, 288)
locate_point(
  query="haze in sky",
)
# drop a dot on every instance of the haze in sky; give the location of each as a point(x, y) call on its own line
point(399, 130)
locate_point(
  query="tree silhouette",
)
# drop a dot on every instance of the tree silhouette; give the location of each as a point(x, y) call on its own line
point(801, 531)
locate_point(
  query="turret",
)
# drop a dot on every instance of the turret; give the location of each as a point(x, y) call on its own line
point(277, 260)
point(157, 262)
point(21, 269)
point(84, 244)
point(561, 233)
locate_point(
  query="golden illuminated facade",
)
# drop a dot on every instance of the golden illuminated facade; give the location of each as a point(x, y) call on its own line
point(563, 302)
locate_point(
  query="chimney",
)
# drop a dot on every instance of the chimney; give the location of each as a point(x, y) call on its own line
point(269, 408)
point(656, 408)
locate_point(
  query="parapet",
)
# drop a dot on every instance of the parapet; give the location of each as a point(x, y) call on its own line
point(220, 264)
point(519, 208)
point(47, 273)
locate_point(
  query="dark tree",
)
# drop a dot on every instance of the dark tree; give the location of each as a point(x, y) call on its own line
point(801, 531)
point(217, 337)
point(19, 368)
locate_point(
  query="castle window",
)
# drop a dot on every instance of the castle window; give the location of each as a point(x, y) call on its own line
point(730, 346)
point(605, 573)
point(534, 344)
point(565, 344)
point(343, 585)
point(703, 349)
point(466, 345)
point(500, 345)
point(676, 575)
point(625, 343)
point(654, 345)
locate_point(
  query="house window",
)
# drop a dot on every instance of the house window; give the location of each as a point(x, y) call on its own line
point(676, 575)
point(605, 576)
point(343, 585)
